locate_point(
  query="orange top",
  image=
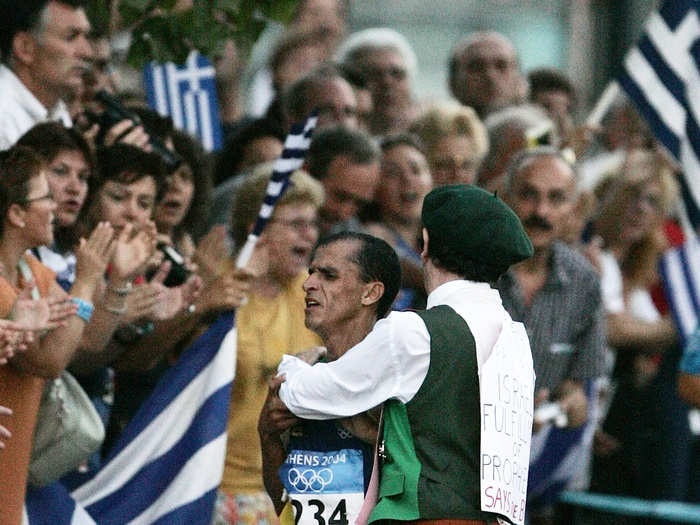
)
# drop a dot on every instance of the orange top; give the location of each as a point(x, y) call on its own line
point(22, 393)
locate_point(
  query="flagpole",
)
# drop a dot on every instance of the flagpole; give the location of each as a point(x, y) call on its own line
point(292, 158)
point(247, 251)
point(610, 93)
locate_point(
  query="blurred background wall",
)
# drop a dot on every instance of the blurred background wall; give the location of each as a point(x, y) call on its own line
point(586, 38)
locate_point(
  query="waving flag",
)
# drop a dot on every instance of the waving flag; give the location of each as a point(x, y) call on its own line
point(167, 464)
point(661, 75)
point(680, 272)
point(187, 94)
point(295, 147)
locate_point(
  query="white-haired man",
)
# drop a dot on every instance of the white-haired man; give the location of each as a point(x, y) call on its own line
point(387, 61)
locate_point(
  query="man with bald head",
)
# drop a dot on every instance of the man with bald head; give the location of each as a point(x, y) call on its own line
point(485, 74)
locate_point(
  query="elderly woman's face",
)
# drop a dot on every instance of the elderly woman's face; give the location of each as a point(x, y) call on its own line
point(290, 236)
point(68, 175)
point(453, 160)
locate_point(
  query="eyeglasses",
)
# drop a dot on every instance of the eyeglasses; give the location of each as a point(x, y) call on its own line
point(298, 224)
point(48, 196)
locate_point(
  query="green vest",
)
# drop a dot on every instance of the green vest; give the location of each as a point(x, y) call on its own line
point(432, 443)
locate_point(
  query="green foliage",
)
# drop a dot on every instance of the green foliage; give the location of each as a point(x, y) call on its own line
point(161, 33)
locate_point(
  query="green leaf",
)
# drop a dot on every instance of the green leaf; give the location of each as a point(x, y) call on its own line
point(229, 7)
point(280, 10)
point(129, 15)
point(98, 13)
point(166, 5)
point(139, 5)
point(169, 35)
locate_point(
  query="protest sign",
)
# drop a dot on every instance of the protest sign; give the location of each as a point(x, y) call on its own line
point(506, 387)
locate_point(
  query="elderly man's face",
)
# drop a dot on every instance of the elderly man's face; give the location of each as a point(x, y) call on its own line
point(336, 103)
point(63, 51)
point(388, 79)
point(543, 195)
point(349, 187)
point(486, 76)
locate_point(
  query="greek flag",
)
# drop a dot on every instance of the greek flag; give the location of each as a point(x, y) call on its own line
point(188, 95)
point(661, 75)
point(680, 272)
point(166, 466)
point(559, 457)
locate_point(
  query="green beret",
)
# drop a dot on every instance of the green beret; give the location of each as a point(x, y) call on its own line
point(475, 224)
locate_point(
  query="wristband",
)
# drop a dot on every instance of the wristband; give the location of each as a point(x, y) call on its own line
point(85, 309)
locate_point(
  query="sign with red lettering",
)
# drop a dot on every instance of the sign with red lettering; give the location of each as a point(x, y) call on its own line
point(506, 387)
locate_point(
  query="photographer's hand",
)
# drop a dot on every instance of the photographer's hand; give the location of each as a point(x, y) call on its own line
point(127, 132)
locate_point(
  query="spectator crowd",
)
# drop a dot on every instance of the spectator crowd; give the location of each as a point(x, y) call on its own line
point(118, 241)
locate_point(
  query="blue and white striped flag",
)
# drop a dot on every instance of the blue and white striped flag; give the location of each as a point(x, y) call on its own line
point(680, 273)
point(295, 147)
point(167, 464)
point(187, 94)
point(661, 75)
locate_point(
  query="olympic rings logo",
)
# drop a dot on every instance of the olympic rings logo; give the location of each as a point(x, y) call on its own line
point(310, 479)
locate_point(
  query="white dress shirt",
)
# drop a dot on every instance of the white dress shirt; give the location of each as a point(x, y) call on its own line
point(20, 110)
point(392, 361)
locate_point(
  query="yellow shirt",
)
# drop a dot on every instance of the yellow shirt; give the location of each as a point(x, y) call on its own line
point(267, 329)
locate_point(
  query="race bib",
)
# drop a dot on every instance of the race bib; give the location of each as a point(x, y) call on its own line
point(325, 488)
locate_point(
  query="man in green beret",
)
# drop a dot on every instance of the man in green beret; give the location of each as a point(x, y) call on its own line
point(456, 380)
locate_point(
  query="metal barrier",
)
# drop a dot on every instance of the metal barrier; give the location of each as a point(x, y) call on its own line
point(662, 510)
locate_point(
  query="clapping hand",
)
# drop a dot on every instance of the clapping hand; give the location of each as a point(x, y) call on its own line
point(226, 292)
point(93, 254)
point(28, 316)
point(12, 339)
point(211, 251)
point(132, 252)
point(38, 315)
point(177, 298)
point(142, 302)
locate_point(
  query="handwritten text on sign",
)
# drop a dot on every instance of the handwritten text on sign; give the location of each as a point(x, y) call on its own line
point(506, 386)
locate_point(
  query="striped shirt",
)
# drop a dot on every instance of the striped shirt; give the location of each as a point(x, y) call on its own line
point(564, 321)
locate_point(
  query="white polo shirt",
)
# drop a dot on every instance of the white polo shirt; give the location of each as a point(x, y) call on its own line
point(20, 110)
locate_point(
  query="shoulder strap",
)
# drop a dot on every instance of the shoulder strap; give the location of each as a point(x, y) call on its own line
point(28, 277)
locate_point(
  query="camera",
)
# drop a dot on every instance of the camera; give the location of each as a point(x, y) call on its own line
point(178, 271)
point(114, 112)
